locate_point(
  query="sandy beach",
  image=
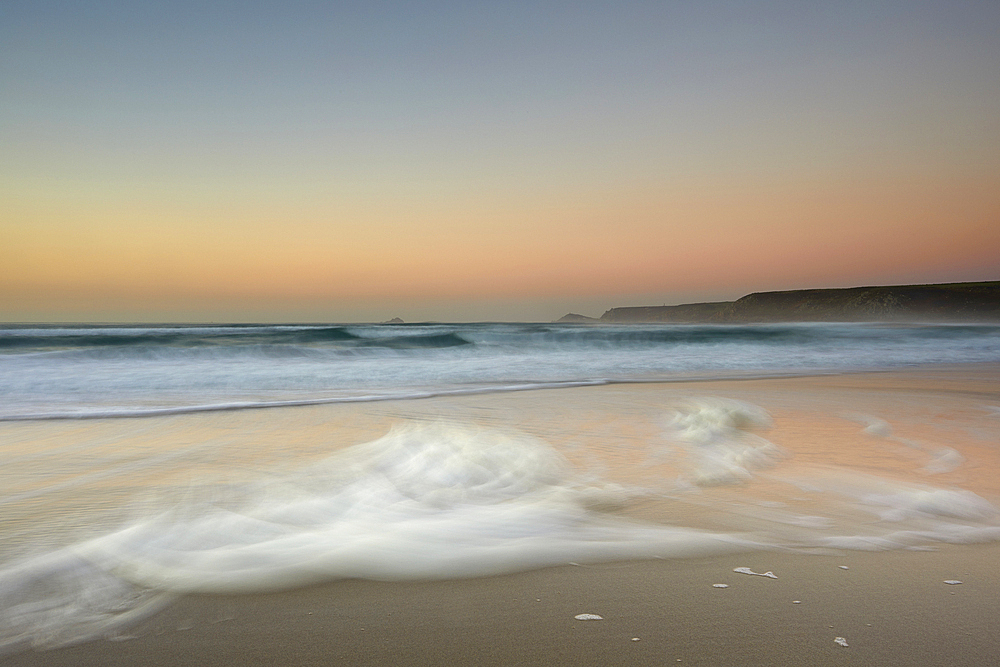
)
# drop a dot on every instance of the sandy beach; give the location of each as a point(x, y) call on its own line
point(553, 334)
point(890, 607)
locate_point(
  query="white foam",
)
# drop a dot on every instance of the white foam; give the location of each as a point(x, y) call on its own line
point(438, 501)
point(426, 501)
point(874, 426)
point(895, 500)
point(716, 435)
point(944, 459)
point(905, 501)
point(59, 600)
point(747, 570)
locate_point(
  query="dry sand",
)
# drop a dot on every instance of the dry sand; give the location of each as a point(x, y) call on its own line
point(892, 608)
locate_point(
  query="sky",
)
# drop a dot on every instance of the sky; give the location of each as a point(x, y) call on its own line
point(468, 161)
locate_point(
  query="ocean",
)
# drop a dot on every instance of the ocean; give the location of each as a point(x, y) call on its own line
point(54, 372)
point(146, 462)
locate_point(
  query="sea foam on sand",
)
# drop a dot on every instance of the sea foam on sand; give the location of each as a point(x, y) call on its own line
point(441, 500)
point(427, 501)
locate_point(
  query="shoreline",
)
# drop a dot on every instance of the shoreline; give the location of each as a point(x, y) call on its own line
point(678, 378)
point(670, 606)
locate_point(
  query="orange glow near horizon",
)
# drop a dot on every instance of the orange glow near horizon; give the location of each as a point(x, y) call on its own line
point(461, 161)
point(731, 240)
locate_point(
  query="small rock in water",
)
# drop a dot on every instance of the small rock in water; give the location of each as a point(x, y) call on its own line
point(588, 617)
point(953, 582)
point(841, 641)
point(720, 585)
point(747, 570)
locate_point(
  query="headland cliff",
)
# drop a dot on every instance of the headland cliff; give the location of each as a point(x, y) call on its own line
point(950, 302)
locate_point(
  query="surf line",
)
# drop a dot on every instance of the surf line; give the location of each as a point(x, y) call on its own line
point(142, 413)
point(260, 405)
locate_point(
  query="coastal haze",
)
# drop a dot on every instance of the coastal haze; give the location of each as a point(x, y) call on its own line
point(283, 379)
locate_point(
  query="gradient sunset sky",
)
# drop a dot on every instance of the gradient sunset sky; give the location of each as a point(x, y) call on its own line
point(327, 161)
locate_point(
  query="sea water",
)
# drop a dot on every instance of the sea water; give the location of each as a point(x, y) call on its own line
point(111, 371)
point(145, 462)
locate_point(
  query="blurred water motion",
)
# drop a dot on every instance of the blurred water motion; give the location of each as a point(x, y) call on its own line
point(105, 519)
point(425, 501)
point(429, 499)
point(58, 372)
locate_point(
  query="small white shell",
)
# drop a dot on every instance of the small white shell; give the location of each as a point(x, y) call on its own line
point(588, 617)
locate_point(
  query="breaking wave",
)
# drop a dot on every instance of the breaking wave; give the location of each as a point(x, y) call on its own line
point(128, 370)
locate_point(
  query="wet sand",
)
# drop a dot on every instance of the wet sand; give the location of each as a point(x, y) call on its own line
point(891, 608)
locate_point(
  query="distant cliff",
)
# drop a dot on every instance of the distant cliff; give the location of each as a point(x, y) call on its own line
point(955, 302)
point(952, 302)
point(687, 312)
